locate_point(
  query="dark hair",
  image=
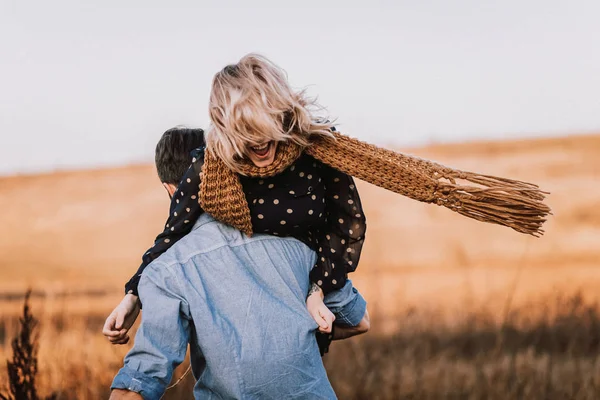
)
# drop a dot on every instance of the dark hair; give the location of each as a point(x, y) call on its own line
point(172, 156)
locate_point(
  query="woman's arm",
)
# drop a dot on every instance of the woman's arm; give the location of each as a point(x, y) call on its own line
point(340, 243)
point(119, 321)
point(183, 213)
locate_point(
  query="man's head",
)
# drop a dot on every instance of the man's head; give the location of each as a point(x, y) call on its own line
point(172, 156)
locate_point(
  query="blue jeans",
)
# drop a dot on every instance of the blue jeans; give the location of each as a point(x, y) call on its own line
point(239, 303)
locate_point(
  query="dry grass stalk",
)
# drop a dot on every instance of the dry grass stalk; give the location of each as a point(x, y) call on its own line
point(23, 368)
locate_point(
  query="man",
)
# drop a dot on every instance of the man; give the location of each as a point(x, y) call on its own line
point(240, 304)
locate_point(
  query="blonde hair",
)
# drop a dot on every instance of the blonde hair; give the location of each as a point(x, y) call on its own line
point(251, 102)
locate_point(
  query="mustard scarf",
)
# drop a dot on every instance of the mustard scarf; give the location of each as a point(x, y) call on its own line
point(515, 204)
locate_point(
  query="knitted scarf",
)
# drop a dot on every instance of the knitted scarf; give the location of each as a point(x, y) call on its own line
point(515, 204)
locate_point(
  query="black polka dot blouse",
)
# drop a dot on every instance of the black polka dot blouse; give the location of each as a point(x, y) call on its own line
point(309, 201)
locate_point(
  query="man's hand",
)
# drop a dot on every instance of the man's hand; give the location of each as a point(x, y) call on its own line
point(318, 310)
point(121, 319)
point(345, 332)
point(122, 394)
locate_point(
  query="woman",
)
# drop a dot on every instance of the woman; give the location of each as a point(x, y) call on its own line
point(297, 201)
point(271, 167)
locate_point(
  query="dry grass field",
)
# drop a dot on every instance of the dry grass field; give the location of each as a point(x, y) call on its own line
point(461, 309)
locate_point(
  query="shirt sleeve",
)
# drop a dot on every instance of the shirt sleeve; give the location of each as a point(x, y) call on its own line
point(162, 338)
point(183, 213)
point(339, 245)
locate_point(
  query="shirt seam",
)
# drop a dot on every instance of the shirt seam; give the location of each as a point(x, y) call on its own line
point(220, 246)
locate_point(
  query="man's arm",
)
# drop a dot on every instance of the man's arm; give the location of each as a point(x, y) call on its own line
point(344, 332)
point(350, 310)
point(161, 340)
point(121, 394)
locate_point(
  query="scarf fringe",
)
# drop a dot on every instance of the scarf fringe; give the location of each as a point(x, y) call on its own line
point(512, 203)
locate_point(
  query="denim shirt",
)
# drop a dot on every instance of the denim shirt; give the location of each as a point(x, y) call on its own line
point(240, 303)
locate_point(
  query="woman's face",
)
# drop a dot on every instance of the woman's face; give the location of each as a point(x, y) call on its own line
point(262, 155)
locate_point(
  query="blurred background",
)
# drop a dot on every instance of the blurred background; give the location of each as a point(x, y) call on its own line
point(460, 309)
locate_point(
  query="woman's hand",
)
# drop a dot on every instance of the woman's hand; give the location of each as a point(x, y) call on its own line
point(121, 319)
point(318, 310)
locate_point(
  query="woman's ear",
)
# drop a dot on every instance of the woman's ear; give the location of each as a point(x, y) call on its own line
point(170, 188)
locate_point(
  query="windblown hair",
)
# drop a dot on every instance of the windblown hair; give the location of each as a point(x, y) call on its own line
point(251, 102)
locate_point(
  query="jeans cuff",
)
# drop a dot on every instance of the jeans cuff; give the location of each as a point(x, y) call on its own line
point(352, 313)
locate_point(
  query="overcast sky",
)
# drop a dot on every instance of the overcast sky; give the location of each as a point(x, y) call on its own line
point(87, 83)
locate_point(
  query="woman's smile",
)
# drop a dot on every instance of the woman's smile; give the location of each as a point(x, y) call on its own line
point(264, 154)
point(261, 150)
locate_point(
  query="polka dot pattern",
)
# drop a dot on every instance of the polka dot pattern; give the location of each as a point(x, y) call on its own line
point(309, 201)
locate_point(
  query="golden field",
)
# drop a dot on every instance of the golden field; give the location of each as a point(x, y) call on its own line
point(461, 309)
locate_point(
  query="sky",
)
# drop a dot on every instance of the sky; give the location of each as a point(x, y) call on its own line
point(93, 84)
